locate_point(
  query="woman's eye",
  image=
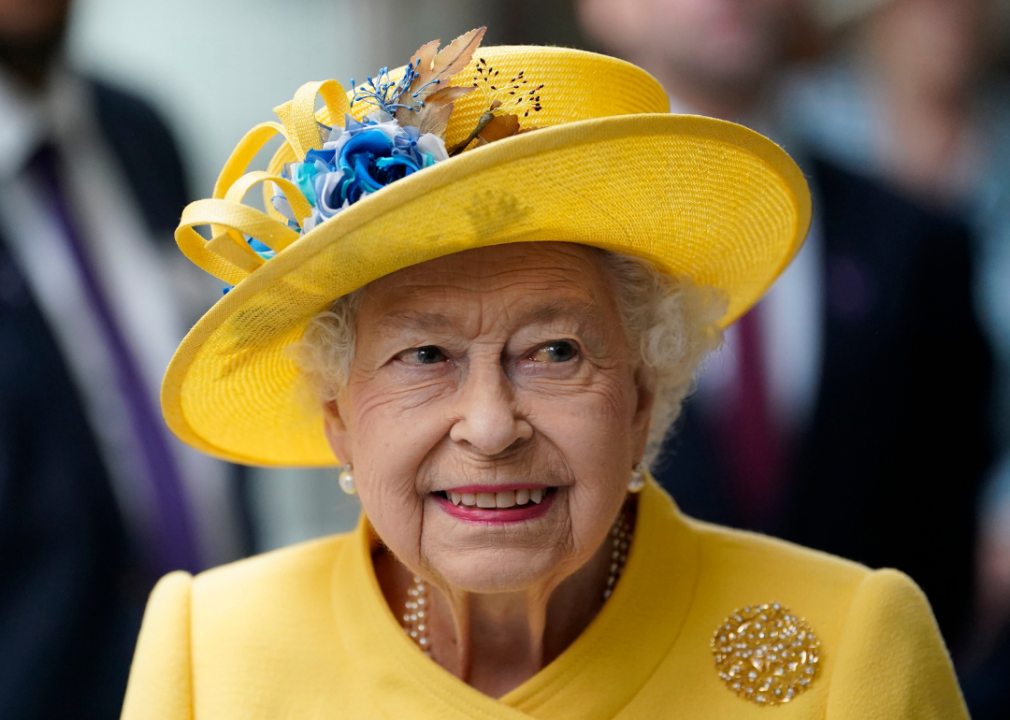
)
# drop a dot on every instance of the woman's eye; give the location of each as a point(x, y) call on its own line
point(427, 355)
point(554, 352)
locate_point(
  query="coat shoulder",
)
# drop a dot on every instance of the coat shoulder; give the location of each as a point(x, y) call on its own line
point(879, 652)
point(269, 616)
point(289, 571)
point(749, 556)
point(282, 597)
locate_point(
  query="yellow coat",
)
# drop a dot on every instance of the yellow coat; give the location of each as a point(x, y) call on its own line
point(304, 633)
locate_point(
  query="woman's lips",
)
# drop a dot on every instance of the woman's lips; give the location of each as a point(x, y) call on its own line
point(501, 506)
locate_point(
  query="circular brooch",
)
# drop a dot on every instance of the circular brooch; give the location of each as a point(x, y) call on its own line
point(766, 654)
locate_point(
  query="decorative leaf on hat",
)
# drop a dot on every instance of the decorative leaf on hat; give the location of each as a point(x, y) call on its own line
point(405, 131)
point(434, 116)
point(433, 70)
point(425, 57)
point(443, 66)
point(501, 127)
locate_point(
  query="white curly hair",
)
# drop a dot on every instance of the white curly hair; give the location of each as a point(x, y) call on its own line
point(671, 322)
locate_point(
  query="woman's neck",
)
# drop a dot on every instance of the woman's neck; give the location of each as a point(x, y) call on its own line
point(496, 642)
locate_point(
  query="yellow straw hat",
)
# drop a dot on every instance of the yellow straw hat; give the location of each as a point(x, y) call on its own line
point(608, 166)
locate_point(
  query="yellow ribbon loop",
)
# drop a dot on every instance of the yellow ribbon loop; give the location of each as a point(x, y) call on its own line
point(299, 114)
point(240, 220)
point(299, 205)
point(227, 255)
point(244, 153)
point(247, 149)
point(285, 154)
point(231, 270)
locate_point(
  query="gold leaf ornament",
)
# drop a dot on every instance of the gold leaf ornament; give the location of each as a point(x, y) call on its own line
point(434, 116)
point(766, 654)
point(434, 71)
point(500, 127)
point(452, 59)
point(425, 57)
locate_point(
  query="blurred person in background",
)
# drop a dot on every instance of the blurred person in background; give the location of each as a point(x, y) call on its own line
point(914, 97)
point(96, 498)
point(849, 409)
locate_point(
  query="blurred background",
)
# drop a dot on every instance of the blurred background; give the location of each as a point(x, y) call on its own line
point(862, 408)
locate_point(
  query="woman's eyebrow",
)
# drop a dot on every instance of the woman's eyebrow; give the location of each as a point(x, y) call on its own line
point(417, 320)
point(556, 310)
point(438, 322)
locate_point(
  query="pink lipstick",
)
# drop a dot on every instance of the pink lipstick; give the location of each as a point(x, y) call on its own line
point(496, 504)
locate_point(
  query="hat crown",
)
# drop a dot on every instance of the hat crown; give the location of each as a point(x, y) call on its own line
point(573, 85)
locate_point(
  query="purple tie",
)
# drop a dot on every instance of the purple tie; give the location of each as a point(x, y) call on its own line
point(756, 453)
point(175, 547)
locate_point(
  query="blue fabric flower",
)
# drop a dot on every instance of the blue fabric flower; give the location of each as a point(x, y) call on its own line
point(356, 161)
point(370, 161)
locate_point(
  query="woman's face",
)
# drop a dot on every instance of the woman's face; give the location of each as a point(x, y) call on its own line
point(482, 382)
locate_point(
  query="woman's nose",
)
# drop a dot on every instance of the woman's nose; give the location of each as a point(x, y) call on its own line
point(489, 420)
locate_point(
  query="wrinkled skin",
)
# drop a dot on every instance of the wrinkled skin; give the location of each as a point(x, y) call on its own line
point(506, 364)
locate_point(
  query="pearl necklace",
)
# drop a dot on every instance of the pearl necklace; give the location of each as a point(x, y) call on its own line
point(415, 617)
point(620, 541)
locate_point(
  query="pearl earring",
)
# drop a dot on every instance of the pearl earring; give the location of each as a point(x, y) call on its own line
point(346, 480)
point(637, 479)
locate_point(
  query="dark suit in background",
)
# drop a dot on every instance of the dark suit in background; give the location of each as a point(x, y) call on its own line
point(887, 470)
point(72, 586)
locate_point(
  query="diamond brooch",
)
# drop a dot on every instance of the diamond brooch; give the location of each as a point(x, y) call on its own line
point(766, 654)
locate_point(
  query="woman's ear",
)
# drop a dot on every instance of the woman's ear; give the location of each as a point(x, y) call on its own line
point(336, 431)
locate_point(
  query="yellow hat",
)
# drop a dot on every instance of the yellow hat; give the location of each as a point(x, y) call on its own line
point(608, 166)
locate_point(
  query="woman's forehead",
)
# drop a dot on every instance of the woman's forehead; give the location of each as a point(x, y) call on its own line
point(539, 280)
point(512, 285)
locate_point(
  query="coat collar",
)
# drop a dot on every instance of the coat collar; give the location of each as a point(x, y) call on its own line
point(610, 662)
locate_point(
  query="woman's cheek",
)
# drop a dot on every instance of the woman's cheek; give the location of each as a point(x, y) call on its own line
point(403, 429)
point(395, 400)
point(592, 431)
point(393, 434)
point(586, 413)
point(386, 480)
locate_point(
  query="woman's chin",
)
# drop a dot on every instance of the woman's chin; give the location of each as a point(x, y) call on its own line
point(495, 550)
point(495, 570)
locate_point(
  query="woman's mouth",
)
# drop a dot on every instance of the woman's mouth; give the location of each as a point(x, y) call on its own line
point(496, 504)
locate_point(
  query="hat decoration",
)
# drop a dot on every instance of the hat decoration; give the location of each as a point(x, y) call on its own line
point(403, 133)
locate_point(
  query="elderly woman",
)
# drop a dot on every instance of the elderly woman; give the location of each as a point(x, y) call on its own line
point(494, 346)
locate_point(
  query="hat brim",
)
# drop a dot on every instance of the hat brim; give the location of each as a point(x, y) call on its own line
point(697, 197)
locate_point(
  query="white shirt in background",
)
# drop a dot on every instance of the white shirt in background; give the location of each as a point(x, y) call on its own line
point(136, 280)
